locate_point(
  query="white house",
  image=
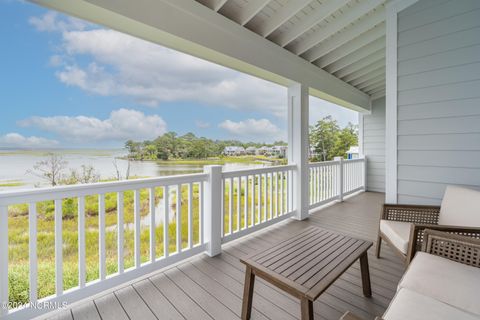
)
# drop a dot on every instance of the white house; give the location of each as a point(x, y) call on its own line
point(353, 152)
point(264, 150)
point(278, 151)
point(234, 151)
point(251, 150)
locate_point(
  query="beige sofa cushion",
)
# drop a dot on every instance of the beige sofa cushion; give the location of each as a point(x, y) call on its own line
point(460, 207)
point(445, 280)
point(397, 232)
point(410, 305)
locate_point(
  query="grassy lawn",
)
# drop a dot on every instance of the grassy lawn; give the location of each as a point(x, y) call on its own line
point(11, 183)
point(224, 160)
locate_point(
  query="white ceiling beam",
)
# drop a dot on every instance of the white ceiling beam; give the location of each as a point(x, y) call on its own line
point(349, 16)
point(308, 22)
point(350, 34)
point(370, 75)
point(281, 16)
point(364, 86)
point(380, 54)
point(352, 45)
point(360, 54)
point(380, 63)
point(192, 28)
point(250, 10)
point(215, 5)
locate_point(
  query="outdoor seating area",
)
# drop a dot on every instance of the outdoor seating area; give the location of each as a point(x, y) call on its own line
point(389, 231)
point(402, 226)
point(212, 288)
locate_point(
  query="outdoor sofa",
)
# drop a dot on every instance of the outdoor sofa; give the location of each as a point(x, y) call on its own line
point(441, 283)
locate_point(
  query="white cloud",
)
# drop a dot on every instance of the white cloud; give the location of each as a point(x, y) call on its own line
point(202, 124)
point(50, 22)
point(261, 129)
point(121, 65)
point(16, 140)
point(122, 124)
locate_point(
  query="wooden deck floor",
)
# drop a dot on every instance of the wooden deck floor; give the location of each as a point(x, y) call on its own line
point(211, 288)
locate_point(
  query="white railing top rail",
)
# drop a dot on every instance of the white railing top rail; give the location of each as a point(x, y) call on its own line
point(244, 172)
point(79, 190)
point(323, 163)
point(355, 160)
point(333, 162)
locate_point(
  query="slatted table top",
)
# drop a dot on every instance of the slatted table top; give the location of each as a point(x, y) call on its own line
point(308, 263)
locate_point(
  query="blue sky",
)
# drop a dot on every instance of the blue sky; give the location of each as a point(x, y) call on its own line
point(68, 83)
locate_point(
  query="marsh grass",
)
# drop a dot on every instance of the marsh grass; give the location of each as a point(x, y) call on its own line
point(18, 273)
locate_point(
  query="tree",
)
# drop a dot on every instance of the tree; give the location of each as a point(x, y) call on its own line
point(118, 174)
point(86, 174)
point(323, 137)
point(329, 140)
point(50, 169)
point(346, 138)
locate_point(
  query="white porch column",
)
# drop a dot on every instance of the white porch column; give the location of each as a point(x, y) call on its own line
point(212, 225)
point(298, 145)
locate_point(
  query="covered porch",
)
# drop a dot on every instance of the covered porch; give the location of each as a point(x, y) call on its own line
point(212, 288)
point(410, 67)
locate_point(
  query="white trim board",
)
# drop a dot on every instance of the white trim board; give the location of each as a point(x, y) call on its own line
point(391, 112)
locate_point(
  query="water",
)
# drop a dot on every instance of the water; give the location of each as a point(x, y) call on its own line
point(14, 166)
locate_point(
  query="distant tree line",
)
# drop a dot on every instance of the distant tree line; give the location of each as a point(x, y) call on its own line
point(189, 146)
point(329, 140)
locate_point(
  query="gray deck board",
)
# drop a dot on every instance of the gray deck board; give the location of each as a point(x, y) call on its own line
point(212, 288)
point(85, 311)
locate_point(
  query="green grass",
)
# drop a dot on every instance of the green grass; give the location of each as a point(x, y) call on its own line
point(18, 272)
point(11, 183)
point(222, 160)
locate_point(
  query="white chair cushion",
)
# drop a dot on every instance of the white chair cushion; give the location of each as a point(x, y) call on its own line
point(445, 280)
point(460, 207)
point(409, 305)
point(397, 232)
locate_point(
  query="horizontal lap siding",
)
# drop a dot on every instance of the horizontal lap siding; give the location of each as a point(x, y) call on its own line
point(438, 99)
point(374, 146)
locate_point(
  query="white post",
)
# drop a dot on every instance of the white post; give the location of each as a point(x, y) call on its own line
point(213, 210)
point(298, 143)
point(3, 260)
point(364, 177)
point(340, 178)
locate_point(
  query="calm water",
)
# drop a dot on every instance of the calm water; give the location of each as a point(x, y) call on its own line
point(14, 165)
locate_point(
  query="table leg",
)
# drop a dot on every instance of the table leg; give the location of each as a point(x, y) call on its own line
point(367, 289)
point(307, 309)
point(248, 293)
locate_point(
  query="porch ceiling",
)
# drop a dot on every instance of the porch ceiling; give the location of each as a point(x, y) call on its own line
point(346, 38)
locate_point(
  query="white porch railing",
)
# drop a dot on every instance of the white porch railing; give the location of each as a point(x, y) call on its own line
point(180, 216)
point(332, 180)
point(254, 199)
point(173, 247)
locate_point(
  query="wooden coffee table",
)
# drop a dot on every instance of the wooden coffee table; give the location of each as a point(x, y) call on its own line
point(305, 266)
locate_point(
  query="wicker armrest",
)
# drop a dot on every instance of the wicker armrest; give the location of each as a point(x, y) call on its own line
point(459, 248)
point(411, 213)
point(417, 235)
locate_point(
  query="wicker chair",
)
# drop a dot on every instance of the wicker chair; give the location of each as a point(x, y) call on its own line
point(458, 248)
point(414, 219)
